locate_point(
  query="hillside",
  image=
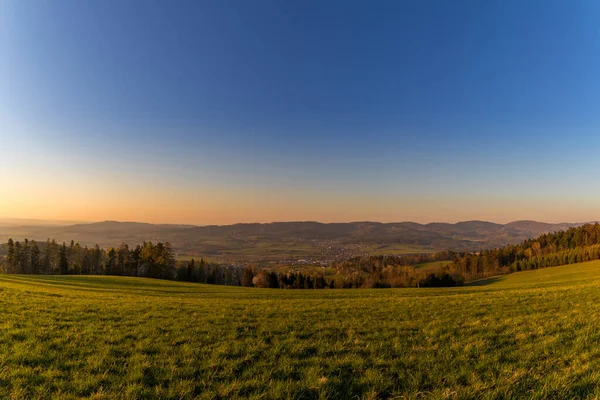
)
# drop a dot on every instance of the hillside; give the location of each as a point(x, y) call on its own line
point(282, 241)
point(130, 338)
point(562, 276)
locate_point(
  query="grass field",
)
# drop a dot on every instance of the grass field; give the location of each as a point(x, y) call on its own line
point(528, 335)
point(432, 266)
point(396, 249)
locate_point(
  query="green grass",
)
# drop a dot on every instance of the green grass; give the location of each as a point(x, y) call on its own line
point(218, 251)
point(528, 335)
point(432, 266)
point(396, 249)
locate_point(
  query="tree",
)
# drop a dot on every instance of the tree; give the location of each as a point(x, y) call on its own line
point(18, 267)
point(47, 263)
point(191, 271)
point(35, 265)
point(63, 263)
point(25, 259)
point(134, 260)
point(76, 258)
point(111, 262)
point(86, 264)
point(167, 261)
point(122, 259)
point(320, 283)
point(96, 261)
point(247, 277)
point(11, 258)
point(262, 279)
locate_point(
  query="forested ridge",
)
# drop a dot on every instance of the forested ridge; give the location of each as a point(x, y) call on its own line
point(549, 250)
point(570, 246)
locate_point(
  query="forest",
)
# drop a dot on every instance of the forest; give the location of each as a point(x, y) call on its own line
point(571, 246)
point(157, 260)
point(574, 245)
point(151, 260)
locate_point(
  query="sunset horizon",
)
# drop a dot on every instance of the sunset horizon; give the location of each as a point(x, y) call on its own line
point(60, 221)
point(216, 114)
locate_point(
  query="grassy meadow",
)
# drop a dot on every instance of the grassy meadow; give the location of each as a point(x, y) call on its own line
point(531, 334)
point(431, 266)
point(396, 249)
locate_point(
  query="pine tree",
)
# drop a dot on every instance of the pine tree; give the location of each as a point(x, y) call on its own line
point(18, 269)
point(191, 271)
point(25, 258)
point(63, 263)
point(134, 260)
point(47, 263)
point(86, 264)
point(35, 266)
point(96, 260)
point(122, 259)
point(11, 258)
point(169, 261)
point(111, 262)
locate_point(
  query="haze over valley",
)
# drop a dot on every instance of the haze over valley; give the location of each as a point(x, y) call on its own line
point(310, 242)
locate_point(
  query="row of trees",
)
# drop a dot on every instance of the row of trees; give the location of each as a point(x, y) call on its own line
point(158, 261)
point(366, 272)
point(149, 259)
point(146, 260)
point(394, 271)
point(369, 264)
point(211, 273)
point(549, 250)
point(392, 276)
point(288, 280)
point(553, 249)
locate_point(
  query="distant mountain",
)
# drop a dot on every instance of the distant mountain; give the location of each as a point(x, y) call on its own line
point(280, 241)
point(34, 222)
point(538, 228)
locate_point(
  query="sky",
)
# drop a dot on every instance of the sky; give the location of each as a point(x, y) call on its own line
point(225, 111)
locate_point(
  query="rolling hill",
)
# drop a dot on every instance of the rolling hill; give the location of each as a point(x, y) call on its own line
point(531, 334)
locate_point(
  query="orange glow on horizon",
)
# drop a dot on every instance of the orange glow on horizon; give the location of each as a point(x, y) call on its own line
point(227, 209)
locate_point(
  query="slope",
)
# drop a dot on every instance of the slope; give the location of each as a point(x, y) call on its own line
point(529, 333)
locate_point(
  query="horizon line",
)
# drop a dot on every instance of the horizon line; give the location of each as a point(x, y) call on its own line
point(59, 222)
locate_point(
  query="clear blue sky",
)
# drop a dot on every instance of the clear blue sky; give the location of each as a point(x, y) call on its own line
point(224, 111)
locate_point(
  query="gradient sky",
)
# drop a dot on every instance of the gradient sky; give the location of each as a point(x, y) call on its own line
point(237, 111)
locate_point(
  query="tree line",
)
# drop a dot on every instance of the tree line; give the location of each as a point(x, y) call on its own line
point(157, 260)
point(51, 258)
point(151, 260)
point(549, 250)
point(394, 271)
point(574, 245)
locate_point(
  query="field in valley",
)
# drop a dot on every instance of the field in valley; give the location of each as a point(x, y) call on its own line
point(532, 334)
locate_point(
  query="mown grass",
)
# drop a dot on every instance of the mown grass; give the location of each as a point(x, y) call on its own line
point(527, 335)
